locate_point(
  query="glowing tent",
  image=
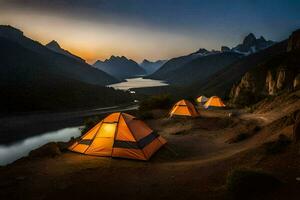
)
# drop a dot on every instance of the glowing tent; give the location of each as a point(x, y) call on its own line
point(184, 108)
point(120, 135)
point(202, 99)
point(214, 102)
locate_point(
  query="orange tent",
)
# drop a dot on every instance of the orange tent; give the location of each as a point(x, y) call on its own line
point(214, 102)
point(202, 99)
point(120, 135)
point(184, 108)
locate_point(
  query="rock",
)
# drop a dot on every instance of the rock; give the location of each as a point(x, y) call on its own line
point(246, 92)
point(48, 150)
point(296, 84)
point(279, 79)
point(294, 41)
point(270, 83)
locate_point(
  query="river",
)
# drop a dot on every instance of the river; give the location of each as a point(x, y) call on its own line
point(132, 83)
point(12, 152)
point(16, 124)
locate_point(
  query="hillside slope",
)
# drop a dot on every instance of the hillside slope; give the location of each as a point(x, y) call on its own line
point(201, 68)
point(58, 63)
point(176, 63)
point(221, 82)
point(151, 67)
point(28, 81)
point(54, 46)
point(278, 74)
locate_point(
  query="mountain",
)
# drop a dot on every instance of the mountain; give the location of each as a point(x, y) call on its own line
point(251, 44)
point(54, 46)
point(27, 83)
point(175, 63)
point(279, 73)
point(31, 81)
point(220, 83)
point(201, 68)
point(120, 67)
point(151, 67)
point(58, 63)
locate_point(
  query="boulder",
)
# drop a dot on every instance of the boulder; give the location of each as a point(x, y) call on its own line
point(48, 150)
point(297, 82)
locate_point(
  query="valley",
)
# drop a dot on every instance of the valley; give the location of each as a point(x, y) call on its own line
point(127, 99)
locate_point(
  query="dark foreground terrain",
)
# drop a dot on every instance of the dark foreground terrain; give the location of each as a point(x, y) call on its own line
point(195, 163)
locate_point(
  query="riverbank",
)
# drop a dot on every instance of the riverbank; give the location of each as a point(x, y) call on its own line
point(17, 127)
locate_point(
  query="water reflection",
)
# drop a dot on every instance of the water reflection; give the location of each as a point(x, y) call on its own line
point(10, 153)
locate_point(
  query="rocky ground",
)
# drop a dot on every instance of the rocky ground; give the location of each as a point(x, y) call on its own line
point(195, 163)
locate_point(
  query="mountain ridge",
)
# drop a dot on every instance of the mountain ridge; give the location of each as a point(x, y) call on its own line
point(249, 45)
point(54, 45)
point(61, 64)
point(120, 67)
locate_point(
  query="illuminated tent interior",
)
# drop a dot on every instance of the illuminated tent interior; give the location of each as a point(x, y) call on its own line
point(120, 135)
point(214, 102)
point(202, 99)
point(184, 108)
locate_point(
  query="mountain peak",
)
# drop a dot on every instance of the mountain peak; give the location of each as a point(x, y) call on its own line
point(145, 61)
point(262, 39)
point(202, 50)
point(251, 44)
point(113, 57)
point(120, 67)
point(53, 44)
point(249, 39)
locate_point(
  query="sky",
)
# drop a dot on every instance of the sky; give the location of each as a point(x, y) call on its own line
point(151, 29)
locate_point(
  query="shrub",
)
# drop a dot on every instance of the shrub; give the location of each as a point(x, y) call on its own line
point(248, 184)
point(145, 115)
point(48, 150)
point(277, 146)
point(156, 102)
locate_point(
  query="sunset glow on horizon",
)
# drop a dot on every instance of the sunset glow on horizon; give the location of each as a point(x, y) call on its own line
point(98, 29)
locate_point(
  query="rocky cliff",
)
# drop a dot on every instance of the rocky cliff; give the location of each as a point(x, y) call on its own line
point(278, 74)
point(294, 41)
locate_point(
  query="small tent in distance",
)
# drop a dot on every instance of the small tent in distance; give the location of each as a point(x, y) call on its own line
point(120, 135)
point(202, 99)
point(184, 108)
point(214, 102)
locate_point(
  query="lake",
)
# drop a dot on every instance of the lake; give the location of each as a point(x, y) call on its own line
point(132, 83)
point(10, 153)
